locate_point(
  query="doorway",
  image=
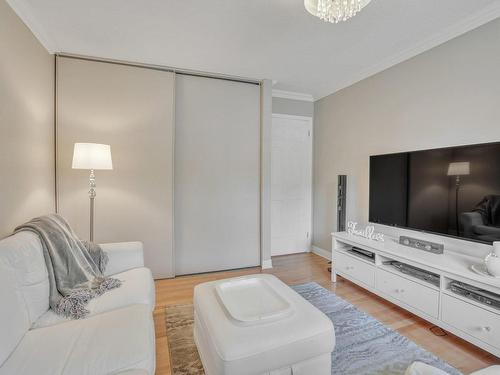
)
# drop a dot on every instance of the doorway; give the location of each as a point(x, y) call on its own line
point(291, 184)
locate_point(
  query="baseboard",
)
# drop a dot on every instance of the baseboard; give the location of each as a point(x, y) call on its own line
point(322, 252)
point(267, 264)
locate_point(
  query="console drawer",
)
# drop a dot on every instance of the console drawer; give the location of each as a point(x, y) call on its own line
point(413, 294)
point(355, 268)
point(475, 321)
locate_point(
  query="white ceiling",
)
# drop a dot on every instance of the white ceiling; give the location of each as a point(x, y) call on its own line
point(275, 39)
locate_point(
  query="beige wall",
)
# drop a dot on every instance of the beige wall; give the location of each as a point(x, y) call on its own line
point(131, 109)
point(447, 96)
point(26, 124)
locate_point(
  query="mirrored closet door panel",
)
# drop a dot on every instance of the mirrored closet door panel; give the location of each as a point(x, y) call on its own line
point(217, 175)
point(131, 109)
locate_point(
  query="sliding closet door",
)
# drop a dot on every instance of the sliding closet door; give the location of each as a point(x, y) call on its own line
point(217, 199)
point(131, 109)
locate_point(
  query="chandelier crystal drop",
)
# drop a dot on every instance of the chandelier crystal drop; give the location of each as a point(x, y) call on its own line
point(335, 11)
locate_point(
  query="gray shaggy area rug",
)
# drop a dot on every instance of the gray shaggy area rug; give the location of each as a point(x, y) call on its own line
point(364, 345)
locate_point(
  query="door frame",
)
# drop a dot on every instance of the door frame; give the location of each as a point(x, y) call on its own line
point(309, 119)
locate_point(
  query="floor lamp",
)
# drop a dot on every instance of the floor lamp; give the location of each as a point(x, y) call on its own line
point(92, 156)
point(458, 169)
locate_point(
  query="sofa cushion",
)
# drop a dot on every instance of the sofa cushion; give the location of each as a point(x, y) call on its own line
point(137, 288)
point(23, 253)
point(103, 344)
point(14, 319)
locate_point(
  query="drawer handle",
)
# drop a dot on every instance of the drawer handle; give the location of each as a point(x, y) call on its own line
point(485, 329)
point(349, 268)
point(400, 290)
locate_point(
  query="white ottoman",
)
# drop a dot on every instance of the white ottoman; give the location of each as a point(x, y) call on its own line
point(290, 336)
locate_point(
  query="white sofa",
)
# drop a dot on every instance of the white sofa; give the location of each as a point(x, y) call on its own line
point(419, 368)
point(116, 338)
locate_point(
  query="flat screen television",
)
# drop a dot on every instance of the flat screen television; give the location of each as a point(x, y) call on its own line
point(452, 191)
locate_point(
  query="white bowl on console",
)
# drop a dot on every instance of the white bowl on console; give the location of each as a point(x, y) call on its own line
point(492, 260)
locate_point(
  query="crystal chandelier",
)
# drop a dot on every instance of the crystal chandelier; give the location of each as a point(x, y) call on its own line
point(335, 11)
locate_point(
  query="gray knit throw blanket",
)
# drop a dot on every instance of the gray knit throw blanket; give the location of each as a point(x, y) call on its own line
point(76, 268)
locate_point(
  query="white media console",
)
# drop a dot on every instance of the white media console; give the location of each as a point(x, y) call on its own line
point(466, 318)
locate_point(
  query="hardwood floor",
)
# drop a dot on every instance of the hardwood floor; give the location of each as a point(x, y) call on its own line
point(302, 268)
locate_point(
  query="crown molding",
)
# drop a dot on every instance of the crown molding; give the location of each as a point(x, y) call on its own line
point(489, 13)
point(292, 95)
point(25, 13)
point(476, 20)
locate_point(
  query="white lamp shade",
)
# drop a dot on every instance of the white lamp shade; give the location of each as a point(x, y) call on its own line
point(461, 168)
point(92, 156)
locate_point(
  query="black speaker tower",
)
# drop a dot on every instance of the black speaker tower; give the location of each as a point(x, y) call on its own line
point(341, 202)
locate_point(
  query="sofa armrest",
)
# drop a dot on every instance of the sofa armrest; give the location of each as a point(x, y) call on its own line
point(471, 218)
point(487, 230)
point(493, 370)
point(419, 368)
point(468, 221)
point(123, 256)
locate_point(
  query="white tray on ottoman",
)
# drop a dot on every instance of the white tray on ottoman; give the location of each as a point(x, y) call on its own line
point(252, 300)
point(257, 325)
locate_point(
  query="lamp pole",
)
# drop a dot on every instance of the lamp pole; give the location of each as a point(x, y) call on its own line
point(457, 169)
point(91, 157)
point(92, 195)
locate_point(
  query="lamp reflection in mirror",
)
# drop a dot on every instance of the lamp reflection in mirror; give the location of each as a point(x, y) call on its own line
point(458, 169)
point(92, 156)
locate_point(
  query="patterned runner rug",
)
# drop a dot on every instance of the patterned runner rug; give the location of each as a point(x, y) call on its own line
point(364, 346)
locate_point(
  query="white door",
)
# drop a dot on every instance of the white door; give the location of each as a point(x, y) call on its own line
point(291, 184)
